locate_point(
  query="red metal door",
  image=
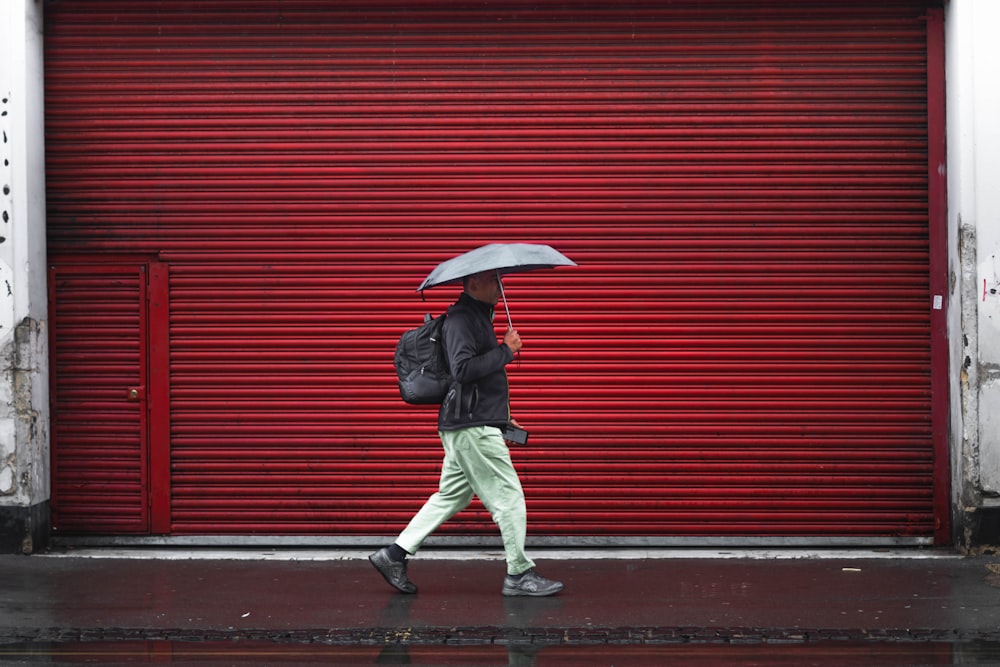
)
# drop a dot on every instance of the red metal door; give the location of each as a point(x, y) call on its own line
point(99, 384)
point(101, 395)
point(745, 350)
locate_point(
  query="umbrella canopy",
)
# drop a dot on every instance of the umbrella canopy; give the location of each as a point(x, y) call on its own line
point(503, 258)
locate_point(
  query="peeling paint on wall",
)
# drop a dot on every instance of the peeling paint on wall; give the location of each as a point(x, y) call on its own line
point(8, 425)
point(969, 375)
point(20, 419)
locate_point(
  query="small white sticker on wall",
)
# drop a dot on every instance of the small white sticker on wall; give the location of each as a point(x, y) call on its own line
point(938, 301)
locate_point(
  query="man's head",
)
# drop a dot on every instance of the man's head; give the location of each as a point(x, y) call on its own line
point(484, 286)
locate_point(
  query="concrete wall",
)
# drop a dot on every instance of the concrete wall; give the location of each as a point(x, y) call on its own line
point(24, 397)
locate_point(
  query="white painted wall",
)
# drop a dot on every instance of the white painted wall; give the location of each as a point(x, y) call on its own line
point(24, 401)
point(973, 55)
point(986, 216)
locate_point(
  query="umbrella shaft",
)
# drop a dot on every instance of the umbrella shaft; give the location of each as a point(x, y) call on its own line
point(510, 325)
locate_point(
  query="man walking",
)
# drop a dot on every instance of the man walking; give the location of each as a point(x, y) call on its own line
point(471, 423)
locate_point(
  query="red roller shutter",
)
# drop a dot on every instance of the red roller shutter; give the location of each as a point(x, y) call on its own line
point(744, 350)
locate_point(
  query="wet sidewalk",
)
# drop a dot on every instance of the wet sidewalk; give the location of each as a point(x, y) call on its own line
point(328, 598)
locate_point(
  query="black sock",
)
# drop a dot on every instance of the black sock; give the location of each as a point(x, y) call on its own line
point(397, 553)
point(518, 577)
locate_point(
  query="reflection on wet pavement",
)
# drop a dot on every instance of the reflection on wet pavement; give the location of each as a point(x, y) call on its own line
point(820, 654)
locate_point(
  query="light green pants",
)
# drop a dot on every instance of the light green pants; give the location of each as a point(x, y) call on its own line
point(476, 461)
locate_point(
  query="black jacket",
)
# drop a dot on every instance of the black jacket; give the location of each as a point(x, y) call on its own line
point(476, 361)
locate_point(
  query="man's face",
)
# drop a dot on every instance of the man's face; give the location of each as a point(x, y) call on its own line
point(485, 287)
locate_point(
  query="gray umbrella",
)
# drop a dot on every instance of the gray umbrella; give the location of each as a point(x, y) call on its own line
point(503, 258)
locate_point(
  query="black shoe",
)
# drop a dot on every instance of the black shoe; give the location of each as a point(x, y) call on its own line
point(394, 571)
point(532, 584)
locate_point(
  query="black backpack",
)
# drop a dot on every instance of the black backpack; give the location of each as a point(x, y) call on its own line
point(421, 363)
